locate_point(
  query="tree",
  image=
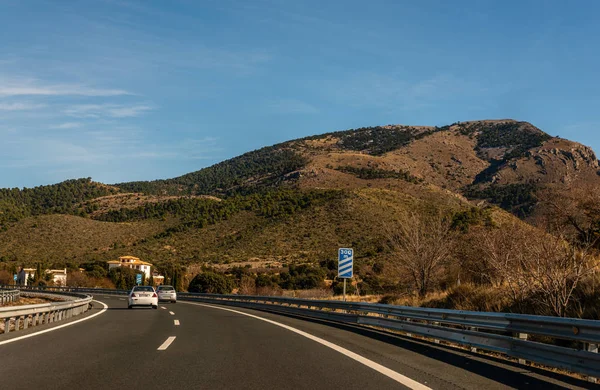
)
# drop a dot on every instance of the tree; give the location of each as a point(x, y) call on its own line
point(537, 266)
point(575, 212)
point(555, 267)
point(38, 273)
point(503, 253)
point(421, 244)
point(247, 285)
point(211, 283)
point(6, 278)
point(78, 279)
point(124, 278)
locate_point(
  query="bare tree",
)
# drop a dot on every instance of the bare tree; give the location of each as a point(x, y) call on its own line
point(421, 245)
point(502, 252)
point(555, 267)
point(247, 285)
point(575, 212)
point(545, 268)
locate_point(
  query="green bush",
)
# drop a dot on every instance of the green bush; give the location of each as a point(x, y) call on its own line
point(211, 283)
point(124, 278)
point(519, 199)
point(373, 173)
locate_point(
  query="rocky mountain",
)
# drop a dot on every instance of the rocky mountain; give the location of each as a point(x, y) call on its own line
point(299, 200)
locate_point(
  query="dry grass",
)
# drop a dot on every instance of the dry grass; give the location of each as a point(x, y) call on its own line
point(70, 238)
point(30, 301)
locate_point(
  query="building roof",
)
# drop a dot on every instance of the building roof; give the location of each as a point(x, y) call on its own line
point(129, 257)
point(56, 271)
point(134, 262)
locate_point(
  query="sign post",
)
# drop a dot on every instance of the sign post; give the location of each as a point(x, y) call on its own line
point(15, 278)
point(138, 279)
point(345, 265)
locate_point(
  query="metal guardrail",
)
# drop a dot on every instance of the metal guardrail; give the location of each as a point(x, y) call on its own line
point(504, 333)
point(9, 296)
point(497, 332)
point(14, 318)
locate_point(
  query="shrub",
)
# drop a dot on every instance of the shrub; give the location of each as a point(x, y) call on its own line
point(471, 297)
point(211, 283)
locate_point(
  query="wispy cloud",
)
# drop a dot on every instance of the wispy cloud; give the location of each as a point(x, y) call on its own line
point(291, 106)
point(20, 106)
point(38, 152)
point(67, 125)
point(33, 87)
point(106, 110)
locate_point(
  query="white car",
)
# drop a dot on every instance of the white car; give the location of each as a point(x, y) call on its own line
point(143, 296)
point(166, 293)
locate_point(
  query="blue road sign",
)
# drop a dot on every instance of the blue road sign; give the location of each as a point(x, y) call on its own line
point(138, 279)
point(345, 263)
point(15, 277)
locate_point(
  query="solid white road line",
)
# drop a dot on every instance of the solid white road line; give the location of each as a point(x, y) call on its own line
point(367, 362)
point(171, 313)
point(176, 322)
point(166, 344)
point(56, 327)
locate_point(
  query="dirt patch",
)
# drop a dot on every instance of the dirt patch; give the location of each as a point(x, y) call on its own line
point(31, 301)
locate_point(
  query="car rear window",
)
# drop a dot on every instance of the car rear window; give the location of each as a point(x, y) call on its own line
point(166, 288)
point(143, 288)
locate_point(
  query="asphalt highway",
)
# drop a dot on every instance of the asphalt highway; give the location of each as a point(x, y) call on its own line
point(196, 346)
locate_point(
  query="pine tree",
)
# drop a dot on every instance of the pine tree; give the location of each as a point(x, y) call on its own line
point(38, 273)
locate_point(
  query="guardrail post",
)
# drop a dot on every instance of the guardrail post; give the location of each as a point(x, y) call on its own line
point(36, 320)
point(437, 341)
point(7, 325)
point(594, 349)
point(26, 322)
point(473, 349)
point(523, 336)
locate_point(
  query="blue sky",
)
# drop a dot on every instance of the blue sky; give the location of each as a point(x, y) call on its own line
point(140, 90)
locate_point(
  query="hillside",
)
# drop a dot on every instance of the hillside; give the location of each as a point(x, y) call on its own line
point(297, 202)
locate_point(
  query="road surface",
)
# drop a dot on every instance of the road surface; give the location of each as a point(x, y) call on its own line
point(195, 346)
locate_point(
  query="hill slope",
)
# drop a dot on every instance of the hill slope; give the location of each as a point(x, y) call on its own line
point(277, 203)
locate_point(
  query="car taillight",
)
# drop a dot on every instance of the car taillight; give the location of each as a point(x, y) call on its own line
point(154, 295)
point(133, 295)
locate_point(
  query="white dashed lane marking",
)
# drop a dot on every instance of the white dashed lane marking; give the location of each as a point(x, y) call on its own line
point(166, 344)
point(176, 322)
point(171, 313)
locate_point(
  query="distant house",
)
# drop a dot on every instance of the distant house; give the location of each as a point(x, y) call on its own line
point(158, 279)
point(58, 276)
point(133, 263)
